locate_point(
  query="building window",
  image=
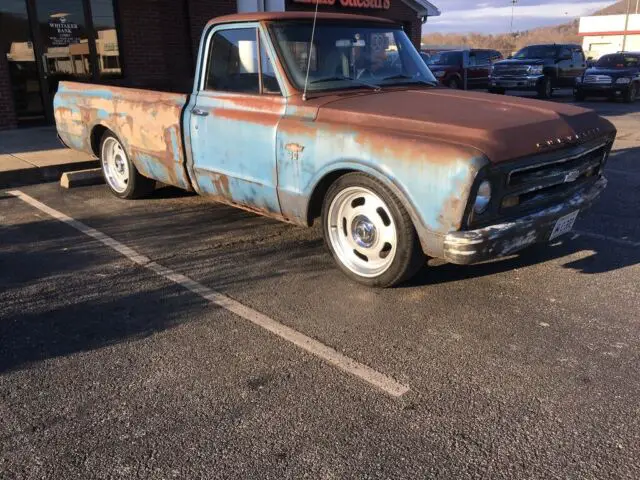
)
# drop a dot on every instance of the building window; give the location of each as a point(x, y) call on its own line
point(107, 46)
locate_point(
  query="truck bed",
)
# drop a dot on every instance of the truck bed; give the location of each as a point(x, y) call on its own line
point(148, 123)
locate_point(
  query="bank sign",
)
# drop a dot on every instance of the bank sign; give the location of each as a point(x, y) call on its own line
point(63, 33)
point(375, 4)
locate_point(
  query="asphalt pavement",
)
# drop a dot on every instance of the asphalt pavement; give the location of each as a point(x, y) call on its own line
point(522, 368)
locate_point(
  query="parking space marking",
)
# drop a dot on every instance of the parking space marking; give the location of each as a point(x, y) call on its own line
point(619, 241)
point(310, 345)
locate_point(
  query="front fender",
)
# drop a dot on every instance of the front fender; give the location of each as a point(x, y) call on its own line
point(432, 178)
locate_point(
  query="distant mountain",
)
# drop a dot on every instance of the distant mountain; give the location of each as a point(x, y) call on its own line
point(564, 33)
point(617, 8)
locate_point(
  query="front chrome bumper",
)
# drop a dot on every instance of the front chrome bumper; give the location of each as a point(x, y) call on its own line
point(499, 240)
point(523, 82)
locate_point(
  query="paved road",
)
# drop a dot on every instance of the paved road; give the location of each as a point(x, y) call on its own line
point(524, 368)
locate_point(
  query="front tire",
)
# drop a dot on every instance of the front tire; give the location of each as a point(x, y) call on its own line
point(497, 91)
point(453, 83)
point(579, 96)
point(545, 90)
point(119, 172)
point(631, 93)
point(369, 233)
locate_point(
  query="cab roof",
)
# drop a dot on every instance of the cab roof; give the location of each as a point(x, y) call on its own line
point(275, 16)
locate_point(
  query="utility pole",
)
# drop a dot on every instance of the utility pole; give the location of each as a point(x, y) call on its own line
point(626, 25)
point(513, 11)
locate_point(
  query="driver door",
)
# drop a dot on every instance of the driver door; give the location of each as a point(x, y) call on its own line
point(234, 120)
point(565, 68)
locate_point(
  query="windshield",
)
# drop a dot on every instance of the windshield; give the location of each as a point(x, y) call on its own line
point(537, 51)
point(349, 56)
point(618, 61)
point(446, 58)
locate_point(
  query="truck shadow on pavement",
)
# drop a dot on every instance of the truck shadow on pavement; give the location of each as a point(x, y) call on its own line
point(599, 257)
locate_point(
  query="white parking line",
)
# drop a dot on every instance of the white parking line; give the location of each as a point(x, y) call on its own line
point(326, 353)
point(619, 241)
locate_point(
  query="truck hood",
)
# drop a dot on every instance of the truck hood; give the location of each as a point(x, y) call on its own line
point(614, 72)
point(525, 61)
point(503, 128)
point(435, 68)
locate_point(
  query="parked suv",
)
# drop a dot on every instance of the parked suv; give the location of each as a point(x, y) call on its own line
point(614, 76)
point(539, 68)
point(452, 66)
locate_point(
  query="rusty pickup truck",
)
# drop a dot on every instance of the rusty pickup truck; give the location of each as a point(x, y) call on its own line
point(345, 123)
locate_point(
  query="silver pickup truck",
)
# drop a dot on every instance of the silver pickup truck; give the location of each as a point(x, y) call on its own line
point(353, 130)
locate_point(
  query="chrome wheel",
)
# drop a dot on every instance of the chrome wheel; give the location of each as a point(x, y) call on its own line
point(362, 231)
point(115, 165)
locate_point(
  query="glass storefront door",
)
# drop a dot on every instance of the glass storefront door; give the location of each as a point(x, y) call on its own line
point(17, 46)
point(46, 41)
point(64, 47)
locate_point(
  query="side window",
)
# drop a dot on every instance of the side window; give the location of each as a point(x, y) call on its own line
point(578, 57)
point(233, 61)
point(473, 60)
point(565, 52)
point(483, 58)
point(269, 80)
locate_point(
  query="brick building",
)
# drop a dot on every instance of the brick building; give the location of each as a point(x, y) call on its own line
point(151, 43)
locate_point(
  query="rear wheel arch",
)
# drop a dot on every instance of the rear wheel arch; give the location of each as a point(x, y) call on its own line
point(453, 76)
point(97, 133)
point(135, 184)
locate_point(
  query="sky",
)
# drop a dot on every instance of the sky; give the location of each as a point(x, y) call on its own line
point(494, 16)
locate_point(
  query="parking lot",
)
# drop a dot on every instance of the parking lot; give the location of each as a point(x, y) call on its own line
point(173, 337)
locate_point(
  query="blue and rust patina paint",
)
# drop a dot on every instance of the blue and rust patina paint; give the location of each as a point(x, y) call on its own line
point(233, 149)
point(146, 122)
point(433, 179)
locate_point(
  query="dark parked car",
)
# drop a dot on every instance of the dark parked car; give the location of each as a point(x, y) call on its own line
point(452, 66)
point(614, 76)
point(539, 68)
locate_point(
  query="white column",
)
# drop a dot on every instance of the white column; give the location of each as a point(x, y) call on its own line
point(260, 6)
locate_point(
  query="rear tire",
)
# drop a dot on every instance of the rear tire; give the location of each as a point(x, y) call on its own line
point(453, 83)
point(631, 94)
point(369, 233)
point(119, 172)
point(545, 90)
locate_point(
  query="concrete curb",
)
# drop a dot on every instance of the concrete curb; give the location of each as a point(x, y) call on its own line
point(51, 173)
point(82, 178)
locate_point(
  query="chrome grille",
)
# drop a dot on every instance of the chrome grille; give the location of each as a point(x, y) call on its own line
point(537, 183)
point(598, 79)
point(511, 70)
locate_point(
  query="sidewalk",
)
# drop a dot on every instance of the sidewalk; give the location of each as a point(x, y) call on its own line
point(34, 155)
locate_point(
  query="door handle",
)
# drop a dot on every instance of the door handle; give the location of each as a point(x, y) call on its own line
point(199, 112)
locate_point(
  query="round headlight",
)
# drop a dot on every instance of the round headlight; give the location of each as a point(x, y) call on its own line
point(578, 79)
point(623, 80)
point(483, 198)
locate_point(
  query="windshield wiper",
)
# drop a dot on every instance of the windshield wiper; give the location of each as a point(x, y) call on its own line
point(342, 77)
point(413, 78)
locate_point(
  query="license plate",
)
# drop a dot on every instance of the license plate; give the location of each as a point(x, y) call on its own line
point(564, 225)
